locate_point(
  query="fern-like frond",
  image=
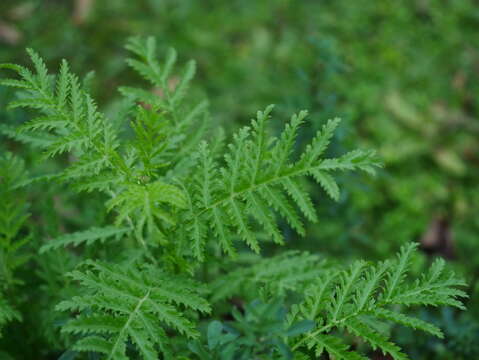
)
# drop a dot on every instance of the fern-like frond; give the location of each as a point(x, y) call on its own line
point(334, 346)
point(147, 65)
point(374, 338)
point(13, 217)
point(289, 271)
point(7, 313)
point(86, 237)
point(68, 118)
point(258, 171)
point(123, 304)
point(147, 204)
point(408, 321)
point(133, 173)
point(341, 301)
point(166, 100)
point(13, 205)
point(437, 287)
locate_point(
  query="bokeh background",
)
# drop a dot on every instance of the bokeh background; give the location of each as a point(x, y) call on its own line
point(403, 76)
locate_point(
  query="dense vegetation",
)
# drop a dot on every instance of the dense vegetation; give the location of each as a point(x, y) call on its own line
point(147, 217)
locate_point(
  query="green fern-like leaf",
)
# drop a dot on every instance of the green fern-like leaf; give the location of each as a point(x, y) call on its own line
point(334, 346)
point(133, 174)
point(342, 300)
point(147, 204)
point(7, 313)
point(13, 217)
point(13, 206)
point(258, 170)
point(69, 119)
point(289, 271)
point(130, 303)
point(167, 100)
point(84, 237)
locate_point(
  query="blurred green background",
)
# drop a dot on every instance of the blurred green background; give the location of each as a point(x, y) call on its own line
point(403, 76)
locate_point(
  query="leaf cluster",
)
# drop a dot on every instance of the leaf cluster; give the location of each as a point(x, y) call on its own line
point(259, 333)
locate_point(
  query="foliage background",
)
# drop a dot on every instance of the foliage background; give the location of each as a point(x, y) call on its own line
point(403, 76)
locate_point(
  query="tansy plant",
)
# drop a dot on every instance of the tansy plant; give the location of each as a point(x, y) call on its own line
point(185, 211)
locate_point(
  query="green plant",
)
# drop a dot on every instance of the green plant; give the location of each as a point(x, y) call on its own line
point(13, 215)
point(177, 200)
point(256, 334)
